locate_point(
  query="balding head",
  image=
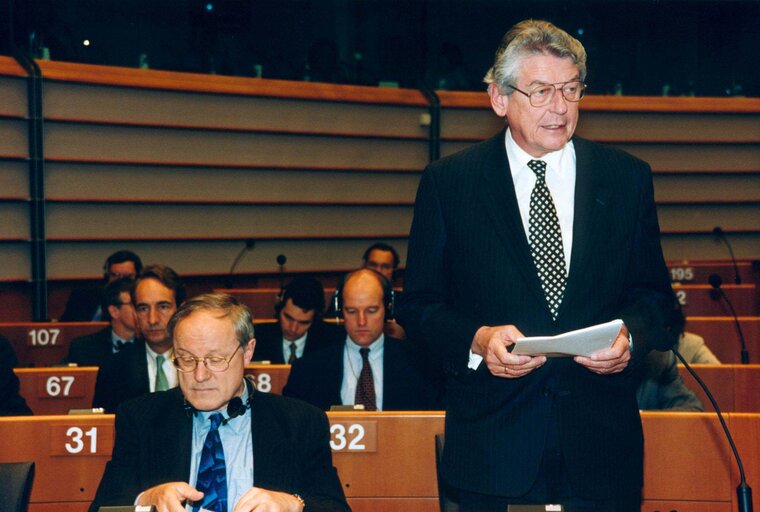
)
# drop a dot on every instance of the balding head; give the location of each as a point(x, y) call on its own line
point(364, 306)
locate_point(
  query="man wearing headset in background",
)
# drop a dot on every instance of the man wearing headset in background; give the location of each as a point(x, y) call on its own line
point(215, 443)
point(299, 328)
point(369, 368)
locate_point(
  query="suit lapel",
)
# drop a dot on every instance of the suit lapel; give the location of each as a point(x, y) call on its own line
point(591, 200)
point(269, 442)
point(174, 432)
point(500, 202)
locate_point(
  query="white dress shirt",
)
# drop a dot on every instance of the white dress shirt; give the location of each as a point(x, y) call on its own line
point(300, 346)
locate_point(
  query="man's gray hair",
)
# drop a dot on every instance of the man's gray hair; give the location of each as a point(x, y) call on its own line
point(225, 305)
point(529, 38)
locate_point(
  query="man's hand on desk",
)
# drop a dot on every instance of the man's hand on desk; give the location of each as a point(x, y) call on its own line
point(492, 344)
point(169, 497)
point(609, 360)
point(262, 500)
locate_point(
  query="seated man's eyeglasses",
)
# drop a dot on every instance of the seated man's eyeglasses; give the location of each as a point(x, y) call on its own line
point(542, 95)
point(188, 363)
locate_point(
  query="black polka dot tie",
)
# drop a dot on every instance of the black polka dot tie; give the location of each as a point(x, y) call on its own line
point(545, 240)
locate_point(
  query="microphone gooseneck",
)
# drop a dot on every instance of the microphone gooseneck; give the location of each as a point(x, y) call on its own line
point(743, 490)
point(716, 282)
point(719, 233)
point(250, 243)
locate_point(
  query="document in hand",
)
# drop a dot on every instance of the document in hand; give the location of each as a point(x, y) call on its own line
point(582, 342)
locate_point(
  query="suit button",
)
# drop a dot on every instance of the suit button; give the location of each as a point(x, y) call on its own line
point(546, 391)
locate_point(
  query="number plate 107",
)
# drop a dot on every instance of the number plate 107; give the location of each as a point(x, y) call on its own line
point(353, 436)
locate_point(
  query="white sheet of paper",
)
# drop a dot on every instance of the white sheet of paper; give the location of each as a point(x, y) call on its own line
point(582, 342)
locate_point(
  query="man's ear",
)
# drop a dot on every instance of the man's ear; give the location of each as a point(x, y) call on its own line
point(113, 311)
point(499, 102)
point(248, 352)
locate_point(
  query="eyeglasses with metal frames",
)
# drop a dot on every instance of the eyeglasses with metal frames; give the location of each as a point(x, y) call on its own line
point(187, 364)
point(542, 95)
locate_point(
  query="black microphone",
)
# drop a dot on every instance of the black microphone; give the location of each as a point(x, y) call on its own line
point(250, 243)
point(719, 233)
point(281, 260)
point(715, 281)
point(743, 490)
point(235, 408)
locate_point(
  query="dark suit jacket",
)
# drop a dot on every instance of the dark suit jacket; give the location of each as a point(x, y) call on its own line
point(316, 378)
point(11, 402)
point(91, 350)
point(290, 445)
point(123, 376)
point(82, 305)
point(269, 340)
point(469, 265)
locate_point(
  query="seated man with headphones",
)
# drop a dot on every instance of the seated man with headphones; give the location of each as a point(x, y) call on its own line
point(299, 328)
point(369, 368)
point(214, 443)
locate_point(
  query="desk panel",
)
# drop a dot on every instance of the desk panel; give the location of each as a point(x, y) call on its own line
point(45, 343)
point(57, 390)
point(702, 299)
point(735, 387)
point(722, 338)
point(70, 453)
point(392, 465)
point(269, 378)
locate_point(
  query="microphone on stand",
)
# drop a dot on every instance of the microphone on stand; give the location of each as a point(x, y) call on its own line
point(715, 281)
point(281, 260)
point(719, 233)
point(743, 490)
point(250, 243)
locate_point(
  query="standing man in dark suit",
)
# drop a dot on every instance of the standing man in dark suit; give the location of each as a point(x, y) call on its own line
point(537, 232)
point(369, 368)
point(144, 366)
point(215, 442)
point(84, 304)
point(94, 349)
point(299, 328)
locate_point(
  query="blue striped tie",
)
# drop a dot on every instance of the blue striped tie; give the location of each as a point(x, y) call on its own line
point(212, 473)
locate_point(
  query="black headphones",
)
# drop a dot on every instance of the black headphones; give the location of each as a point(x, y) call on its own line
point(389, 295)
point(235, 407)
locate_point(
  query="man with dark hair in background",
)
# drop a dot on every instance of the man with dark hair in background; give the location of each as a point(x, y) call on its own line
point(84, 304)
point(94, 349)
point(299, 328)
point(144, 366)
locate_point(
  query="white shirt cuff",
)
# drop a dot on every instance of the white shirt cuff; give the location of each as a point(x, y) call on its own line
point(474, 361)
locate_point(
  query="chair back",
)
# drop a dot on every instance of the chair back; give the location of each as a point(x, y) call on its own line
point(15, 486)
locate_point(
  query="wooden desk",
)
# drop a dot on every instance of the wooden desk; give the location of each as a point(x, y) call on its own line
point(735, 387)
point(721, 336)
point(45, 343)
point(270, 378)
point(386, 460)
point(699, 271)
point(57, 390)
point(701, 300)
point(70, 453)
